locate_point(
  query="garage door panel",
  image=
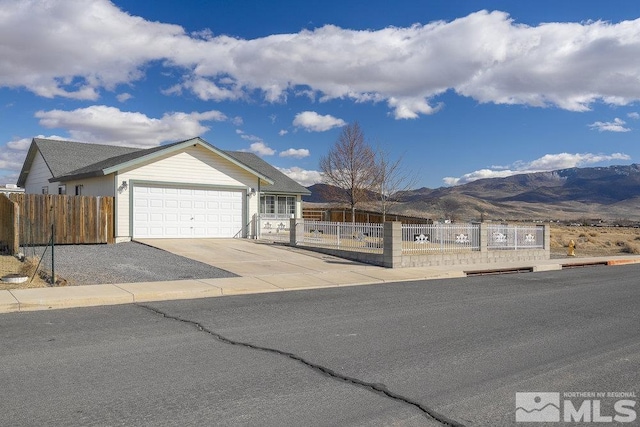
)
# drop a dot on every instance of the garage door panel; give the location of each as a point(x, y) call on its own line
point(171, 231)
point(186, 212)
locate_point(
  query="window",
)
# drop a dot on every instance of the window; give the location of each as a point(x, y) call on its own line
point(78, 190)
point(45, 190)
point(289, 207)
point(268, 204)
point(281, 205)
point(62, 189)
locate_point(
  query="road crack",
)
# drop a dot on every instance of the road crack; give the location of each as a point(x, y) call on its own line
point(379, 389)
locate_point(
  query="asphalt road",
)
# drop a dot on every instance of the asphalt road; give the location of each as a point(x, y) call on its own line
point(394, 354)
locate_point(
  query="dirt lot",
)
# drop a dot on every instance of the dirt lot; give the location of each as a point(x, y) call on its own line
point(595, 241)
point(11, 265)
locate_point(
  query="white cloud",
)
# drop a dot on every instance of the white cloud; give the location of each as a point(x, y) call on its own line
point(102, 124)
point(634, 115)
point(303, 177)
point(248, 137)
point(208, 90)
point(566, 160)
point(20, 144)
point(617, 125)
point(314, 122)
point(77, 48)
point(124, 97)
point(283, 132)
point(261, 149)
point(11, 160)
point(297, 153)
point(24, 143)
point(548, 162)
point(73, 48)
point(9, 178)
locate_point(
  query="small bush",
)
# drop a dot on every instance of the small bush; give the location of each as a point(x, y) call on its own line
point(630, 249)
point(593, 234)
point(29, 265)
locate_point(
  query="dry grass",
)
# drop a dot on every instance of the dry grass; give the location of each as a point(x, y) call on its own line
point(11, 265)
point(595, 241)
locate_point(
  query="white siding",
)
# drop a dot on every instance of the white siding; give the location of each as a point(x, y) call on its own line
point(298, 206)
point(98, 186)
point(194, 165)
point(38, 177)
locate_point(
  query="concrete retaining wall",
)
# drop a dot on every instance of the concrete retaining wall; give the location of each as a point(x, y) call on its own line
point(476, 257)
point(393, 256)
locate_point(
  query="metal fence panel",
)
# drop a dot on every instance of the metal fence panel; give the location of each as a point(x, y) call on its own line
point(274, 227)
point(429, 238)
point(344, 235)
point(514, 237)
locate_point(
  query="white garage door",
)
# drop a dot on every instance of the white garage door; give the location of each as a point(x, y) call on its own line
point(172, 212)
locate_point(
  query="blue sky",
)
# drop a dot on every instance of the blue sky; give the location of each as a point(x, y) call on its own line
point(459, 89)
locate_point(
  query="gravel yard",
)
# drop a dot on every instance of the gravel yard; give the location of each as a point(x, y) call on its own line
point(126, 263)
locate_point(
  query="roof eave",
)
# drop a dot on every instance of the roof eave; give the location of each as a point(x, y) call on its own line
point(66, 178)
point(302, 193)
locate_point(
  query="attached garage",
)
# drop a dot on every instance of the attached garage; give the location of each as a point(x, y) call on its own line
point(186, 212)
point(187, 189)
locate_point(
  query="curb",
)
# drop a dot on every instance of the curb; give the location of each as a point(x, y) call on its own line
point(37, 299)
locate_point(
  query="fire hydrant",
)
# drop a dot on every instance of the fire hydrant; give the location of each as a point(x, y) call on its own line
point(572, 248)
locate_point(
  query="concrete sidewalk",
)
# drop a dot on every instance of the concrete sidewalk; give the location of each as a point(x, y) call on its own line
point(260, 281)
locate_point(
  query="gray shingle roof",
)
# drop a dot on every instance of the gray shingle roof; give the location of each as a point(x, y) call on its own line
point(281, 182)
point(63, 157)
point(76, 160)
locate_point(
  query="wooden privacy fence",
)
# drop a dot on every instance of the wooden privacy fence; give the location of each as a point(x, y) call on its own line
point(368, 217)
point(9, 240)
point(76, 219)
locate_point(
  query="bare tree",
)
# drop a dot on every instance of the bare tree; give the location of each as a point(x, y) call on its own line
point(391, 181)
point(349, 166)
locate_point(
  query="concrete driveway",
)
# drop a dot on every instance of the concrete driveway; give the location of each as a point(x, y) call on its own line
point(284, 267)
point(252, 258)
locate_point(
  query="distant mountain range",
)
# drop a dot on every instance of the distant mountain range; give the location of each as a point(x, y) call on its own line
point(601, 192)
